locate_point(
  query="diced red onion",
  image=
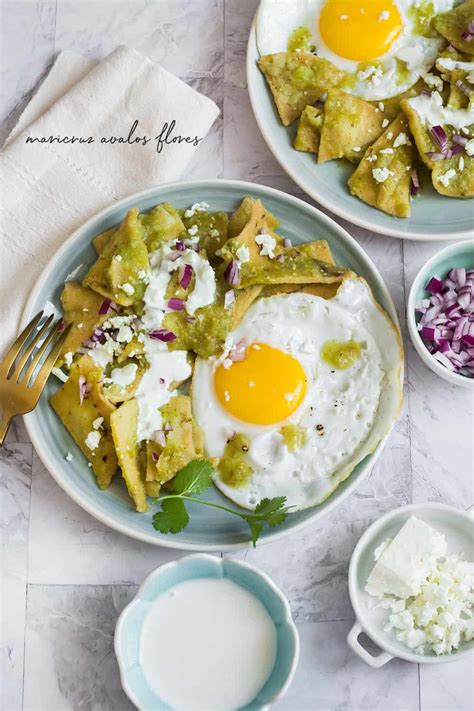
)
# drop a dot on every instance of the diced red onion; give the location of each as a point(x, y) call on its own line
point(154, 456)
point(185, 274)
point(160, 438)
point(180, 246)
point(89, 343)
point(415, 183)
point(238, 351)
point(435, 156)
point(176, 304)
point(190, 319)
point(232, 273)
point(97, 334)
point(425, 92)
point(84, 389)
point(229, 298)
point(106, 306)
point(280, 258)
point(456, 148)
point(465, 88)
point(446, 319)
point(162, 334)
point(287, 242)
point(161, 381)
point(61, 326)
point(460, 140)
point(466, 36)
point(439, 136)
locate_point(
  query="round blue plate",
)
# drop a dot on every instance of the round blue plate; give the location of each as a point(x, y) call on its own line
point(433, 216)
point(209, 529)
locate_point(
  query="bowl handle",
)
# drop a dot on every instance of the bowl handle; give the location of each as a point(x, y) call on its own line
point(353, 642)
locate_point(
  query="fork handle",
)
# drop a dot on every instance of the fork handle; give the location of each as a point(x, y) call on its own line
point(4, 425)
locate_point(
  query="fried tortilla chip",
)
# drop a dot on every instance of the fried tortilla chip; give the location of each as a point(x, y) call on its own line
point(118, 272)
point(383, 178)
point(244, 298)
point(124, 431)
point(80, 308)
point(242, 215)
point(297, 79)
point(308, 133)
point(350, 125)
point(456, 68)
point(453, 26)
point(295, 268)
point(101, 240)
point(452, 176)
point(79, 418)
point(391, 107)
point(209, 227)
point(179, 449)
point(259, 221)
point(162, 224)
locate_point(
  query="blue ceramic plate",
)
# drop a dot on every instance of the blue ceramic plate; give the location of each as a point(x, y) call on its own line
point(133, 618)
point(434, 217)
point(208, 530)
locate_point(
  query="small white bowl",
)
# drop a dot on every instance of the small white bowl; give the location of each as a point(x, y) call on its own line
point(455, 525)
point(460, 254)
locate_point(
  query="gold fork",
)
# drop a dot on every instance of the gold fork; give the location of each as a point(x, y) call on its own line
point(17, 394)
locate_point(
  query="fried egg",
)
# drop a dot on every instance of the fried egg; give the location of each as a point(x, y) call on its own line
point(384, 46)
point(328, 370)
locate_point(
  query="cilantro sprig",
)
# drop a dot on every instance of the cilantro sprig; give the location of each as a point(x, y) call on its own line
point(195, 478)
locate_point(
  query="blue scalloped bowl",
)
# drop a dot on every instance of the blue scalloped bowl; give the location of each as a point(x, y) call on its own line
point(133, 618)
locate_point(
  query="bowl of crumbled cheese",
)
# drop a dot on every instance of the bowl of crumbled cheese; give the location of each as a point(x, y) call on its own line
point(411, 584)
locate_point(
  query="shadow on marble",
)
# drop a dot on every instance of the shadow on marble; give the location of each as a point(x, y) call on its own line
point(15, 481)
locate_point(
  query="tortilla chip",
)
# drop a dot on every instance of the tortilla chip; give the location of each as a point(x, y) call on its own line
point(453, 25)
point(350, 125)
point(308, 133)
point(296, 268)
point(101, 240)
point(244, 298)
point(109, 273)
point(259, 221)
point(242, 215)
point(80, 308)
point(179, 449)
point(124, 431)
point(162, 224)
point(391, 195)
point(78, 418)
point(297, 79)
point(211, 230)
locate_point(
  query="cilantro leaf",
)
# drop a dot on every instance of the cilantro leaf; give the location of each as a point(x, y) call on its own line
point(194, 478)
point(172, 518)
point(256, 527)
point(267, 507)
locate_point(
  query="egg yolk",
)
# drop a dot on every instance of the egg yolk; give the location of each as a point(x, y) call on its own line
point(360, 29)
point(265, 387)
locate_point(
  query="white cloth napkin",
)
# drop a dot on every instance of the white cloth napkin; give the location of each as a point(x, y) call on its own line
point(48, 190)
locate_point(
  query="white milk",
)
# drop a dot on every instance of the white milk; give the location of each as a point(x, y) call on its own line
point(207, 644)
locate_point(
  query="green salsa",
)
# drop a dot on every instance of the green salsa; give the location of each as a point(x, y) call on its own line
point(294, 436)
point(234, 469)
point(341, 355)
point(300, 40)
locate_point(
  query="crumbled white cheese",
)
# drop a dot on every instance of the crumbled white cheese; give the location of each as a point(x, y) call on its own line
point(381, 174)
point(92, 440)
point(357, 149)
point(385, 123)
point(127, 288)
point(372, 158)
point(401, 140)
point(80, 325)
point(267, 244)
point(68, 457)
point(214, 233)
point(118, 257)
point(390, 135)
point(61, 375)
point(197, 207)
point(123, 326)
point(429, 596)
point(227, 363)
point(243, 254)
point(381, 106)
point(387, 151)
point(384, 15)
point(97, 422)
point(226, 396)
point(142, 275)
point(446, 177)
point(461, 163)
point(433, 81)
point(469, 147)
point(193, 230)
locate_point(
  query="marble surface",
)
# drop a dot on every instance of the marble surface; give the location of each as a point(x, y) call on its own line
point(66, 576)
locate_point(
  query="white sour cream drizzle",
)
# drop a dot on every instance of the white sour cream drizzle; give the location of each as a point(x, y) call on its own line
point(166, 367)
point(218, 659)
point(431, 111)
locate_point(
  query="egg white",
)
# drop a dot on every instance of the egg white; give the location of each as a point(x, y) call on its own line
point(355, 407)
point(277, 19)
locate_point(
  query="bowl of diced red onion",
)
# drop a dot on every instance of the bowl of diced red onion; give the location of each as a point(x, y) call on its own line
point(440, 313)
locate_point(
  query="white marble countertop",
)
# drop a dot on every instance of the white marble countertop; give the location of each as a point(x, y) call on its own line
point(65, 575)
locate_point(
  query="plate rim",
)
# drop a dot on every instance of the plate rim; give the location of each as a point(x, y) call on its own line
point(313, 194)
point(161, 539)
